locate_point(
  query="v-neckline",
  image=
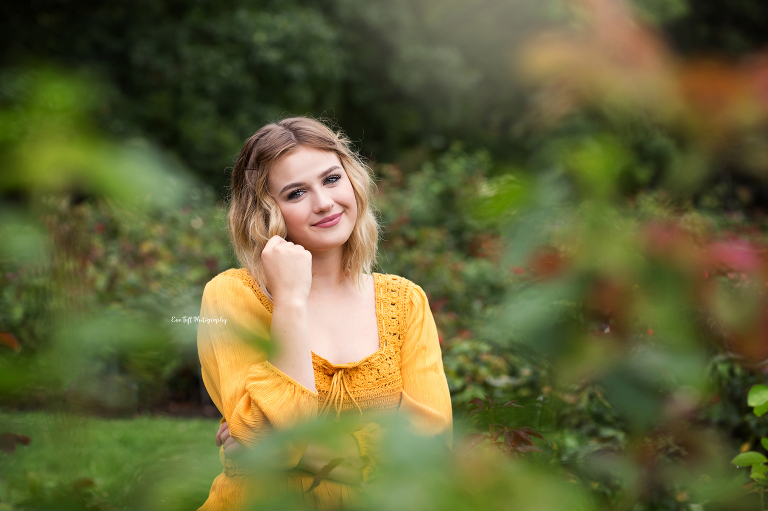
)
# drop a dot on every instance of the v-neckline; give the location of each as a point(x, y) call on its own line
point(377, 282)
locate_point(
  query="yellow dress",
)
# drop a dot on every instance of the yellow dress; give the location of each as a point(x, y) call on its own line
point(405, 375)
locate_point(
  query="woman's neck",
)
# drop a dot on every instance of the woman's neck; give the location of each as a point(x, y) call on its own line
point(327, 272)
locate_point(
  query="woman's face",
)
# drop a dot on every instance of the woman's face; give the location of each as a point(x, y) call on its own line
point(315, 197)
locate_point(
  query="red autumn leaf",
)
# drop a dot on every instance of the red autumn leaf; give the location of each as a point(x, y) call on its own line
point(524, 436)
point(476, 402)
point(533, 432)
point(10, 340)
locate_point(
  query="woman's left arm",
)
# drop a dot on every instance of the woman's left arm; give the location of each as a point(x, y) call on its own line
point(425, 398)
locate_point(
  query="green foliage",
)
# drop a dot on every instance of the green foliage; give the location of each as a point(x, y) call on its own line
point(758, 396)
point(626, 320)
point(74, 285)
point(661, 11)
point(747, 459)
point(757, 399)
point(140, 271)
point(76, 462)
point(199, 77)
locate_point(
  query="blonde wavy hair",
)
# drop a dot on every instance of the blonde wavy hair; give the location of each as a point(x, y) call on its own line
point(254, 216)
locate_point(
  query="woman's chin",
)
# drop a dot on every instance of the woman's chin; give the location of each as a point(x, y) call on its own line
point(326, 244)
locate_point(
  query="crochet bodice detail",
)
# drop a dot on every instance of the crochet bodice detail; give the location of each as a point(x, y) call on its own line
point(371, 386)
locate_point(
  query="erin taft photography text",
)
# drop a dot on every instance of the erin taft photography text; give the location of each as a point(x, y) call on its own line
point(197, 319)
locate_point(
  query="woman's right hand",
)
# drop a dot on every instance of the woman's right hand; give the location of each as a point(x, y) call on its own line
point(288, 269)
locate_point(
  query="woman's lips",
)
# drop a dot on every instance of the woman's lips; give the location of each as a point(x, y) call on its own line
point(329, 221)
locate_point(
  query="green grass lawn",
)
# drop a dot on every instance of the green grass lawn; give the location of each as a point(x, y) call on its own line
point(140, 463)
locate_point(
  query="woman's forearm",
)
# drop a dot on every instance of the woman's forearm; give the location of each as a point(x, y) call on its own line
point(290, 335)
point(317, 456)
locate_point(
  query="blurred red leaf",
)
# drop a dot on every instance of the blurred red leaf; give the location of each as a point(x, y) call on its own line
point(476, 402)
point(10, 340)
point(736, 255)
point(712, 87)
point(547, 262)
point(510, 439)
point(670, 243)
point(523, 436)
point(533, 432)
point(8, 441)
point(612, 302)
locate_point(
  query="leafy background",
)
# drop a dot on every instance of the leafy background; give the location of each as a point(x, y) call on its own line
point(579, 187)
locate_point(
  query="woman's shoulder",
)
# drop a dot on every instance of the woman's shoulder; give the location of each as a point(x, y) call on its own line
point(239, 279)
point(401, 288)
point(392, 282)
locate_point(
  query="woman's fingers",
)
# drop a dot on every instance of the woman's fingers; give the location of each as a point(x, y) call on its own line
point(223, 438)
point(288, 270)
point(223, 428)
point(273, 241)
point(231, 444)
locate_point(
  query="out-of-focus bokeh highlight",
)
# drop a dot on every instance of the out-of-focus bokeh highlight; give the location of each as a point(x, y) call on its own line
point(580, 187)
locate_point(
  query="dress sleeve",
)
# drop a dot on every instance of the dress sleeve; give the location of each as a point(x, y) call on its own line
point(425, 398)
point(251, 394)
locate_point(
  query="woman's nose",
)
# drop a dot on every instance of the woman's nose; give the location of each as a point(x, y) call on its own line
point(323, 201)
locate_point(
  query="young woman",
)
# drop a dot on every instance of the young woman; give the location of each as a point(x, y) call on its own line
point(345, 340)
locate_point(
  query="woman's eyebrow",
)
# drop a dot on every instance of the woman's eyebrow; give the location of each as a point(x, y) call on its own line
point(322, 176)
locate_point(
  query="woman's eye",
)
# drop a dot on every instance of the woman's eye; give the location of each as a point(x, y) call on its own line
point(295, 194)
point(298, 192)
